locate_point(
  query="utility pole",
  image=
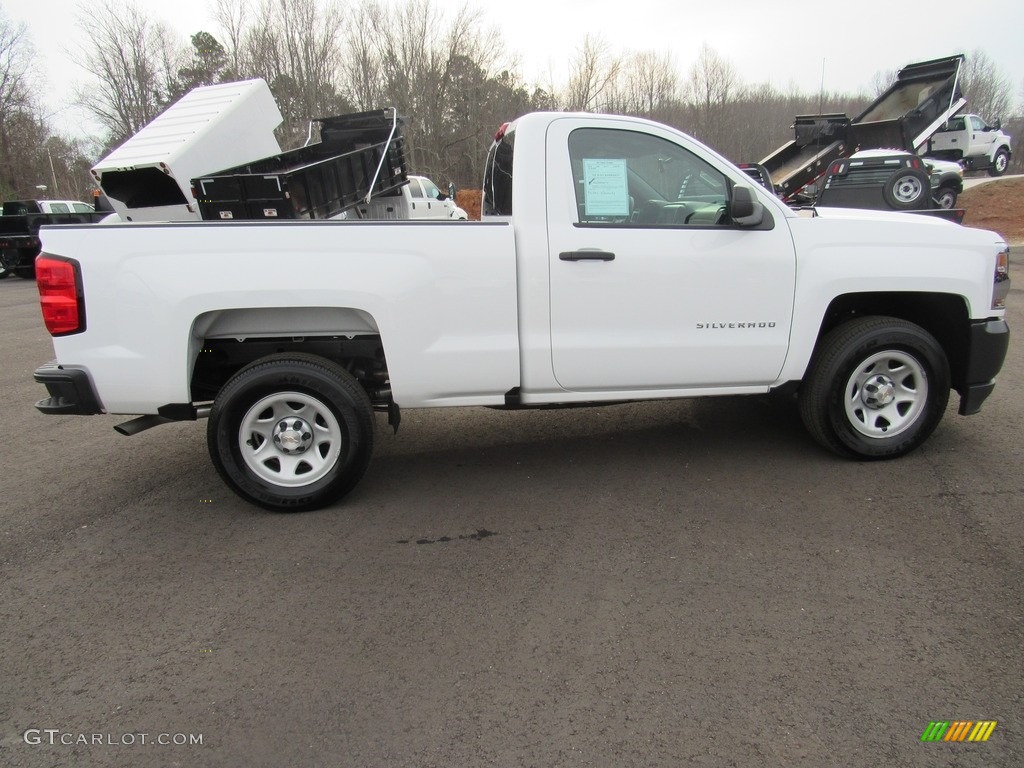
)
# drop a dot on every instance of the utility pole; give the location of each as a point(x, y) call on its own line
point(53, 173)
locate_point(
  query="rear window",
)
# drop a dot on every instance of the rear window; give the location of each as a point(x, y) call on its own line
point(498, 177)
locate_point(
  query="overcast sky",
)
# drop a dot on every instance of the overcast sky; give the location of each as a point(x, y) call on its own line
point(788, 44)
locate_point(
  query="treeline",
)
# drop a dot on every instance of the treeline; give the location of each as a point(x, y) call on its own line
point(448, 73)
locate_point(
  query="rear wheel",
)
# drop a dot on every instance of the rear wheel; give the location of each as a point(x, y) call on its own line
point(876, 389)
point(291, 432)
point(1000, 162)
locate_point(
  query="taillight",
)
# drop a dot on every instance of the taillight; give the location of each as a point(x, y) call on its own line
point(500, 133)
point(60, 295)
point(1002, 281)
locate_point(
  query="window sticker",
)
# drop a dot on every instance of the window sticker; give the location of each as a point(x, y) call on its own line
point(606, 192)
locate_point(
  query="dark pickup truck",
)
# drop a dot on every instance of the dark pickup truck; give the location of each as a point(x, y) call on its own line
point(19, 230)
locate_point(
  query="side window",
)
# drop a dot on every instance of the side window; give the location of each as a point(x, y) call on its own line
point(82, 208)
point(59, 208)
point(415, 189)
point(627, 178)
point(977, 123)
point(430, 189)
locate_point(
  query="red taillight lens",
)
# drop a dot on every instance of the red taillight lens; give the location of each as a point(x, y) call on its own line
point(500, 134)
point(60, 295)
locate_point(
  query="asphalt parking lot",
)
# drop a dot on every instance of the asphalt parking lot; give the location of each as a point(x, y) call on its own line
point(659, 584)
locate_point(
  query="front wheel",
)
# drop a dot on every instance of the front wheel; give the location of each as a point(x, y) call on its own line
point(1000, 162)
point(291, 432)
point(946, 197)
point(876, 389)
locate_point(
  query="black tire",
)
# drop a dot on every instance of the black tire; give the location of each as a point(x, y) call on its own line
point(309, 404)
point(876, 388)
point(4, 272)
point(945, 197)
point(907, 190)
point(1000, 162)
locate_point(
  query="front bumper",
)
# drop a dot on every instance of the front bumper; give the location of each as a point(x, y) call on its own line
point(988, 342)
point(70, 389)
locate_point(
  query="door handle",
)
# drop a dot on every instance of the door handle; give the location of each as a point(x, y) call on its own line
point(587, 254)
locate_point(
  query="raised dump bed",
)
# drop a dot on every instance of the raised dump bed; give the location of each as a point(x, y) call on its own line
point(818, 140)
point(905, 116)
point(359, 156)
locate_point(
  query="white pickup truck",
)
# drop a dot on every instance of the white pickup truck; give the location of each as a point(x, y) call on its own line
point(419, 199)
point(618, 259)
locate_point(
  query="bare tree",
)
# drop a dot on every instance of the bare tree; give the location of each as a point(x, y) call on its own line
point(648, 85)
point(22, 127)
point(988, 90)
point(445, 72)
point(711, 85)
point(592, 76)
point(296, 47)
point(232, 15)
point(133, 61)
point(881, 81)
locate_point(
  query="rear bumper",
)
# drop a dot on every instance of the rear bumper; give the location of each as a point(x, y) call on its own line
point(989, 340)
point(18, 252)
point(70, 390)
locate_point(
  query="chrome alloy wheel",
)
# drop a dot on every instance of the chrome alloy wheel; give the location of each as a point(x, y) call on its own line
point(290, 439)
point(886, 394)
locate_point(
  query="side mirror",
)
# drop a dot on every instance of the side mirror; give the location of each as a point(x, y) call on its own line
point(744, 208)
point(997, 125)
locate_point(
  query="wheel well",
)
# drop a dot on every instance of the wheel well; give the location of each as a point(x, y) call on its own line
point(944, 316)
point(363, 356)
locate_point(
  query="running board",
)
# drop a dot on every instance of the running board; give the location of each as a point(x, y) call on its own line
point(141, 424)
